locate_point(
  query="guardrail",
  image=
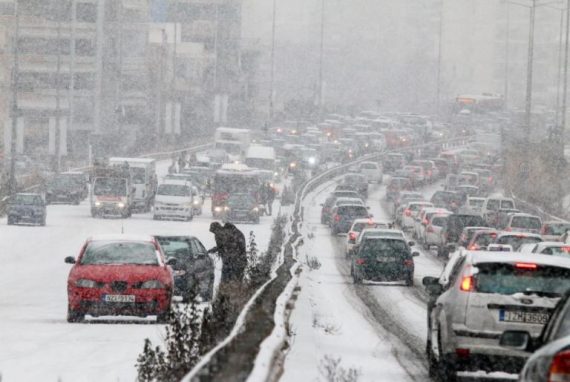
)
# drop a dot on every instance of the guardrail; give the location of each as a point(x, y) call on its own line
point(246, 327)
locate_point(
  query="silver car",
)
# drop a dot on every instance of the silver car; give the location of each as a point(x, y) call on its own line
point(479, 296)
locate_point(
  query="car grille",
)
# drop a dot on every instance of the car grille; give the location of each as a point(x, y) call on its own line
point(119, 286)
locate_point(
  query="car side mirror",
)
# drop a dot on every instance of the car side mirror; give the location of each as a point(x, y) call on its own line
point(415, 254)
point(516, 339)
point(70, 260)
point(171, 261)
point(411, 243)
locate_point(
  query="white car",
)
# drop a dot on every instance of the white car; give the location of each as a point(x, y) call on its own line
point(554, 248)
point(357, 226)
point(433, 230)
point(479, 296)
point(475, 203)
point(174, 200)
point(410, 211)
point(372, 171)
point(517, 239)
point(422, 220)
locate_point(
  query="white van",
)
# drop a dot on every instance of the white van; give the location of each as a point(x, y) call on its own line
point(174, 200)
point(372, 171)
point(493, 205)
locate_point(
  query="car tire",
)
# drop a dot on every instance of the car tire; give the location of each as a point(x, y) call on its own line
point(410, 281)
point(433, 370)
point(76, 201)
point(11, 220)
point(74, 316)
point(43, 221)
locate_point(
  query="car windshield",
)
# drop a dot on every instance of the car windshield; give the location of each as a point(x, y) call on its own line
point(174, 190)
point(526, 222)
point(383, 247)
point(110, 187)
point(517, 240)
point(521, 278)
point(119, 253)
point(241, 200)
point(175, 247)
point(27, 199)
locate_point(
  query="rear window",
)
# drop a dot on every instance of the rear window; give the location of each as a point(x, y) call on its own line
point(384, 247)
point(518, 240)
point(508, 204)
point(563, 250)
point(458, 222)
point(556, 229)
point(476, 202)
point(522, 278)
point(526, 222)
point(117, 253)
point(439, 221)
point(355, 211)
point(484, 239)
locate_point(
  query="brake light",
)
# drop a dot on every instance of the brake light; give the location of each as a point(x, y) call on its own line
point(352, 236)
point(336, 218)
point(473, 247)
point(407, 212)
point(493, 234)
point(560, 367)
point(467, 284)
point(462, 353)
point(409, 263)
point(360, 261)
point(525, 266)
point(370, 222)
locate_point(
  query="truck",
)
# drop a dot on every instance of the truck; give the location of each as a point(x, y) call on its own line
point(233, 141)
point(113, 193)
point(233, 179)
point(144, 180)
point(263, 158)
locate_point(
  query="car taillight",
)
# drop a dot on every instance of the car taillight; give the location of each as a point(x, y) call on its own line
point(337, 218)
point(360, 261)
point(409, 263)
point(462, 353)
point(352, 236)
point(508, 229)
point(528, 266)
point(560, 367)
point(407, 212)
point(467, 284)
point(473, 247)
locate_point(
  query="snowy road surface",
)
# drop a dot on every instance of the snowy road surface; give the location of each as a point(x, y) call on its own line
point(36, 342)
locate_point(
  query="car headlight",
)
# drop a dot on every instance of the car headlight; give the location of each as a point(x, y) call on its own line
point(226, 208)
point(275, 173)
point(196, 202)
point(218, 209)
point(97, 204)
point(152, 284)
point(86, 283)
point(255, 209)
point(312, 160)
point(293, 165)
point(121, 205)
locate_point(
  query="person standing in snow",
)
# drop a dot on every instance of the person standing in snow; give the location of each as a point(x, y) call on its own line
point(230, 246)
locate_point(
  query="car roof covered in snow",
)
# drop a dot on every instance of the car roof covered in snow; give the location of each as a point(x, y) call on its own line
point(122, 237)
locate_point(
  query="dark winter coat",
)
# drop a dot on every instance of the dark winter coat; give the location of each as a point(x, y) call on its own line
point(231, 247)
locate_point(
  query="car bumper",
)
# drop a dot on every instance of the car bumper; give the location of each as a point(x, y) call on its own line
point(241, 216)
point(108, 209)
point(173, 212)
point(92, 301)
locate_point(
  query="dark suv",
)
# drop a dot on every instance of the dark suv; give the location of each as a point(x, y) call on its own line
point(194, 269)
point(451, 232)
point(27, 208)
point(343, 217)
point(241, 208)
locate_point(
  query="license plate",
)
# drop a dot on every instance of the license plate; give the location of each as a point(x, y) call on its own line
point(119, 298)
point(384, 259)
point(523, 317)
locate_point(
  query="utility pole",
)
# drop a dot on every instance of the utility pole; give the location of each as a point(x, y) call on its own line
point(565, 92)
point(507, 53)
point(58, 94)
point(99, 66)
point(15, 111)
point(71, 94)
point(321, 61)
point(272, 81)
point(439, 56)
point(529, 74)
point(559, 71)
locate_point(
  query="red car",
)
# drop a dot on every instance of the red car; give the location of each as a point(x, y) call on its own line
point(119, 275)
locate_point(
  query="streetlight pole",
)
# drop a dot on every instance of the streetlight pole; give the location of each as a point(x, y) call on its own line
point(15, 110)
point(559, 71)
point(507, 53)
point(439, 57)
point(321, 61)
point(272, 84)
point(565, 92)
point(529, 74)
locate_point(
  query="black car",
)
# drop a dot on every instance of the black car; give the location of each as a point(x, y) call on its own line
point(66, 188)
point(551, 349)
point(393, 162)
point(328, 205)
point(194, 269)
point(241, 208)
point(343, 217)
point(384, 259)
point(453, 228)
point(27, 208)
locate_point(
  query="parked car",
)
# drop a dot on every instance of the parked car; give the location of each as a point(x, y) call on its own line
point(372, 171)
point(194, 269)
point(551, 356)
point(383, 259)
point(343, 216)
point(478, 297)
point(553, 230)
point(26, 208)
point(120, 275)
point(451, 232)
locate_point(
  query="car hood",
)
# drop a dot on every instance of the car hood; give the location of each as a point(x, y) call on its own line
point(130, 273)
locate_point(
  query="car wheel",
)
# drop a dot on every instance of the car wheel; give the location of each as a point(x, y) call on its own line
point(446, 371)
point(433, 371)
point(163, 317)
point(74, 316)
point(76, 201)
point(425, 246)
point(43, 221)
point(10, 220)
point(410, 281)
